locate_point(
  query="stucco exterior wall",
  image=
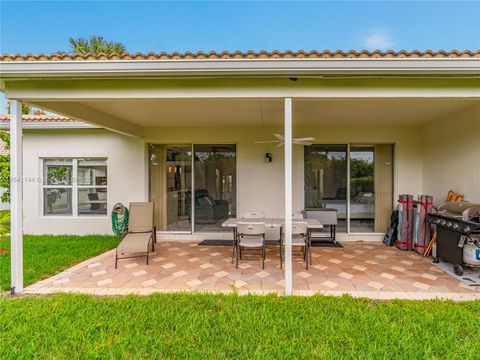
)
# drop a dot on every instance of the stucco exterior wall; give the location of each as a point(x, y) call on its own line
point(259, 184)
point(126, 166)
point(451, 147)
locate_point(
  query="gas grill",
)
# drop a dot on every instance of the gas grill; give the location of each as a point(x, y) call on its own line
point(456, 222)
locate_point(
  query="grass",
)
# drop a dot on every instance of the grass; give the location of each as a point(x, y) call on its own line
point(236, 327)
point(68, 326)
point(46, 255)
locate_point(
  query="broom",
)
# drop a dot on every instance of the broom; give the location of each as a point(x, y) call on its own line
point(428, 249)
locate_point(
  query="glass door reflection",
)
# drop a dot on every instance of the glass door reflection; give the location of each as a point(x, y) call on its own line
point(215, 186)
point(362, 188)
point(326, 179)
point(170, 185)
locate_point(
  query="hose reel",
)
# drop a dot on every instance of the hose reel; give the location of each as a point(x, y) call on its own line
point(119, 218)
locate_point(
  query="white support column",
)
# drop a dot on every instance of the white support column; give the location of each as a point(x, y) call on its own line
point(288, 196)
point(16, 196)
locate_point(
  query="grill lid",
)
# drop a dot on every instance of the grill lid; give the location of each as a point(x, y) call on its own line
point(463, 209)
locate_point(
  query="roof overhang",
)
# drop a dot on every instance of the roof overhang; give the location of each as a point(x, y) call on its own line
point(14, 70)
point(5, 125)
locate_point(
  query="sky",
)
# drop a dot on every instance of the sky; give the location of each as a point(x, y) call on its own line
point(143, 26)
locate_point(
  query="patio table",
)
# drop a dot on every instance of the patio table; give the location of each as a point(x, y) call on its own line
point(269, 222)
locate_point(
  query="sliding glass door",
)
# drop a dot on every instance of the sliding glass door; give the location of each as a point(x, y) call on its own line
point(362, 189)
point(170, 180)
point(371, 187)
point(367, 183)
point(326, 179)
point(182, 207)
point(215, 186)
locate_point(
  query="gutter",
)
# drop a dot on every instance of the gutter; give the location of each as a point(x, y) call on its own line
point(5, 125)
point(14, 70)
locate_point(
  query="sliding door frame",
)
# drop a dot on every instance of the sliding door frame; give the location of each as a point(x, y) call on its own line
point(349, 145)
point(192, 164)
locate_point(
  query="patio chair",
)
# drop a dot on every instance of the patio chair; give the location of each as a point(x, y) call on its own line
point(140, 232)
point(254, 215)
point(301, 238)
point(250, 235)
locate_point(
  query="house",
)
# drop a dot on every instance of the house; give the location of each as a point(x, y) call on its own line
point(190, 131)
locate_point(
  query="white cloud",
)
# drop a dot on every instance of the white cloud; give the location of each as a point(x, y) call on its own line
point(378, 38)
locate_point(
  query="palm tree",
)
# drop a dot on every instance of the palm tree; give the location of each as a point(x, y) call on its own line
point(96, 45)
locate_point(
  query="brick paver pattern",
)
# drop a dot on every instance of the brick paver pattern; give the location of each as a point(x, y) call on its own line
point(362, 269)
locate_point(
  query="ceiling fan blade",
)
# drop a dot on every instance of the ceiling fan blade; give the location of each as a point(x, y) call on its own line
point(266, 142)
point(307, 139)
point(306, 143)
point(280, 144)
point(278, 136)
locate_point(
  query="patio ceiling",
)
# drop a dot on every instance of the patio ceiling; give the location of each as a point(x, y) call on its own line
point(132, 115)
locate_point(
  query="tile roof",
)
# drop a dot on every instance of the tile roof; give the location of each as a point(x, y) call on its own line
point(39, 118)
point(212, 55)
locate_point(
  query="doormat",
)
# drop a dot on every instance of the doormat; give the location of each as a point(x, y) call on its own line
point(216, 242)
point(471, 276)
point(326, 244)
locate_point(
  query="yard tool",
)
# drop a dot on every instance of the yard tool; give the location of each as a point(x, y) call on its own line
point(119, 218)
point(430, 245)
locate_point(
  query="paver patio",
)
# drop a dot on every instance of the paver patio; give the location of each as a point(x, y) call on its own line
point(362, 269)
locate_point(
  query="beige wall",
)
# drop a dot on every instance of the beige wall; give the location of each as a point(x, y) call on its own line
point(451, 147)
point(125, 167)
point(260, 184)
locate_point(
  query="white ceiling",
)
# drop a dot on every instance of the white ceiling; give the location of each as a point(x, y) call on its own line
point(269, 112)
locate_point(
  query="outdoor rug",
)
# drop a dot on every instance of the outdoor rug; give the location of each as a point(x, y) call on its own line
point(471, 276)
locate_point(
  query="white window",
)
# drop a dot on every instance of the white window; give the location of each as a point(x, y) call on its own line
point(74, 187)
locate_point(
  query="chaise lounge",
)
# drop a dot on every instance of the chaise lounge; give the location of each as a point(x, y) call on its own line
point(139, 234)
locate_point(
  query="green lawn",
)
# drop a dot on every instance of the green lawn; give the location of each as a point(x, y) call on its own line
point(236, 327)
point(218, 326)
point(46, 255)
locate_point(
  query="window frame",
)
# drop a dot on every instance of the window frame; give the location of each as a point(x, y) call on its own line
point(74, 186)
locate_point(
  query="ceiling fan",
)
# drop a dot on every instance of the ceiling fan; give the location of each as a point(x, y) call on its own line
point(280, 139)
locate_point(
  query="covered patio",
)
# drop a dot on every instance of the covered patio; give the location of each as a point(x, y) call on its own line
point(350, 101)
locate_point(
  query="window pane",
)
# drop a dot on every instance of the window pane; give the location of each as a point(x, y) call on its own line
point(92, 201)
point(215, 186)
point(326, 179)
point(362, 188)
point(92, 172)
point(57, 201)
point(57, 171)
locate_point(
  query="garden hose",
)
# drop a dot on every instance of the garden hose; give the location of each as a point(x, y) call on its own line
point(119, 218)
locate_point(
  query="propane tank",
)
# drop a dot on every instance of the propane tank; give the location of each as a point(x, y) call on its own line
point(471, 252)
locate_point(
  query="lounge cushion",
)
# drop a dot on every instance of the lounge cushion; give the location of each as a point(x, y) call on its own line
point(134, 243)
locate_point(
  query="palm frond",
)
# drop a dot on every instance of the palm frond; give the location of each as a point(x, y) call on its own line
point(79, 45)
point(112, 47)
